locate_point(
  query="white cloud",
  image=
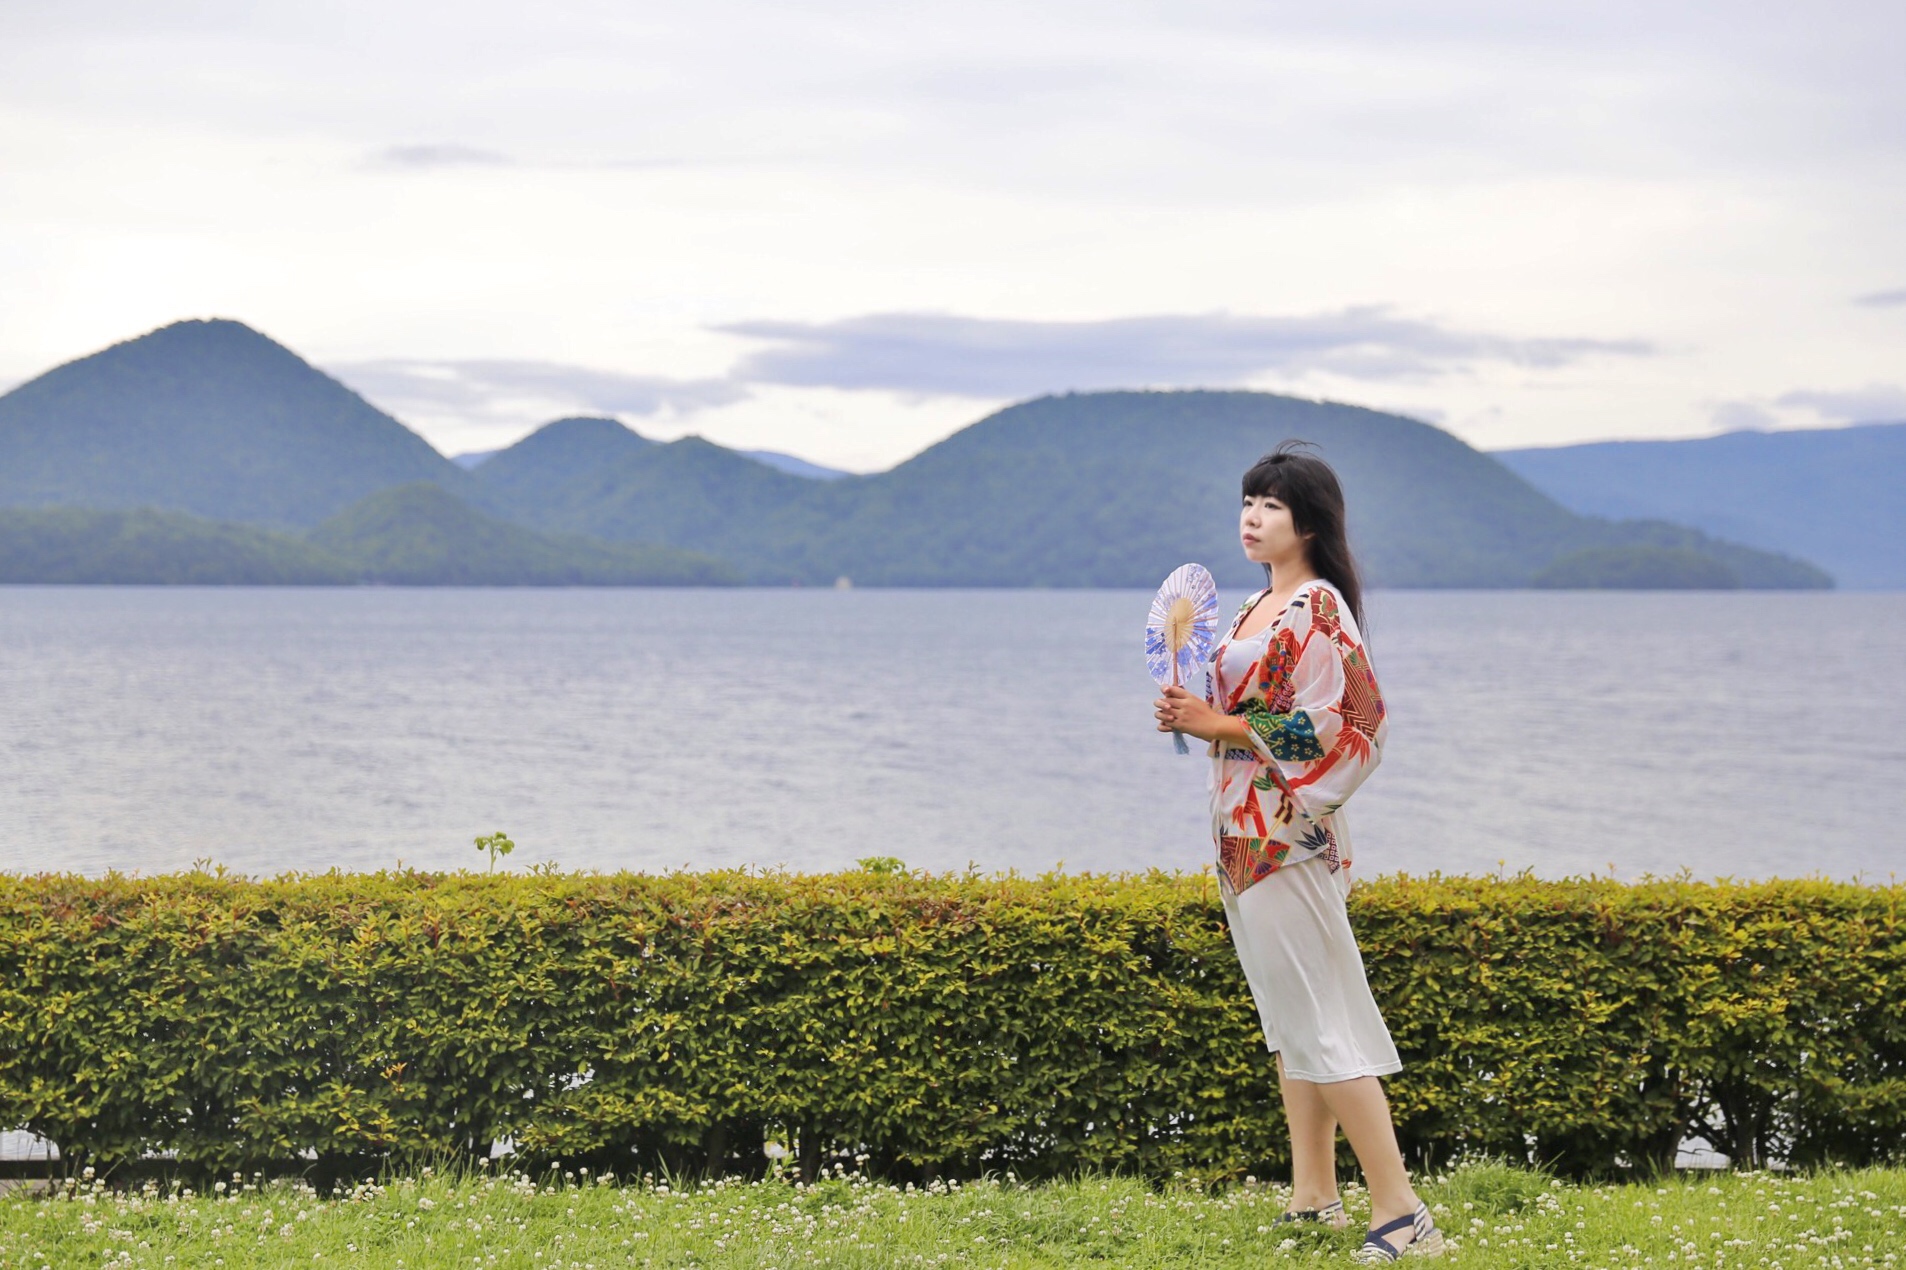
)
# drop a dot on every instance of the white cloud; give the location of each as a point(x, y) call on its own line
point(589, 185)
point(472, 383)
point(1002, 358)
point(484, 403)
point(1744, 416)
point(1875, 403)
point(441, 155)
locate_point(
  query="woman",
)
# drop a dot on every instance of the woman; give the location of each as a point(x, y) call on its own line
point(1295, 723)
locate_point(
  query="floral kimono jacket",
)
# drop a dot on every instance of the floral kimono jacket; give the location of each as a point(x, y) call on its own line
point(1305, 688)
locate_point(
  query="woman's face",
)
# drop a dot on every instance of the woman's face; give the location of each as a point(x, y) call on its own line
point(1267, 533)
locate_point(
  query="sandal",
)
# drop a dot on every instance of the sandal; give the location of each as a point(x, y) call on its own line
point(1331, 1215)
point(1425, 1240)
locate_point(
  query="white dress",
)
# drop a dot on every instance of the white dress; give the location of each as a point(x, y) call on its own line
point(1305, 687)
point(1293, 938)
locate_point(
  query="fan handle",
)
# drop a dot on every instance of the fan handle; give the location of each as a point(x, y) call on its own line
point(1177, 738)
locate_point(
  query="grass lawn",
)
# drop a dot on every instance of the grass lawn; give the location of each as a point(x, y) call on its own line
point(1496, 1217)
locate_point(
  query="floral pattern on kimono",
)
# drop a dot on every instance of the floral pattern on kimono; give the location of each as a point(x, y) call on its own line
point(1317, 722)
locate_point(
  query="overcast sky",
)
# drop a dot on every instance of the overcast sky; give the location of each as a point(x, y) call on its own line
point(844, 230)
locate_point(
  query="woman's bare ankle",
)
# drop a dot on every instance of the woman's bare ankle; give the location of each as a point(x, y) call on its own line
point(1389, 1208)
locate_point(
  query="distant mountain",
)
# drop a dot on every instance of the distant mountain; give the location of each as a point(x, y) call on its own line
point(795, 467)
point(419, 535)
point(689, 493)
point(1834, 496)
point(1097, 489)
point(788, 463)
point(551, 462)
point(69, 544)
point(1637, 567)
point(204, 417)
point(413, 535)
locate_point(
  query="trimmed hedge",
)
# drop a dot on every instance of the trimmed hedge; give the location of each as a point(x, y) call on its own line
point(936, 1024)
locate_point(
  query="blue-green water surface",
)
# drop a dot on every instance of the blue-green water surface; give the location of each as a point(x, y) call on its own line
point(1727, 734)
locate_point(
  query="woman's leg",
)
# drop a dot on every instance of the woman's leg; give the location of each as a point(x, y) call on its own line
point(1359, 1105)
point(1313, 1142)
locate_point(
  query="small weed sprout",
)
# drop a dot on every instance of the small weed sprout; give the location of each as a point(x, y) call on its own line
point(497, 844)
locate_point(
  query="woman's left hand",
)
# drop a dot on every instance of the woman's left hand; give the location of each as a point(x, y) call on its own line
point(1179, 711)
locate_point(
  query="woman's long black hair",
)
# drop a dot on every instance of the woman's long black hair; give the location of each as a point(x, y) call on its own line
point(1307, 485)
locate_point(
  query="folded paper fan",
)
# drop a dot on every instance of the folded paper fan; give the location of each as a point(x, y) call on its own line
point(1181, 630)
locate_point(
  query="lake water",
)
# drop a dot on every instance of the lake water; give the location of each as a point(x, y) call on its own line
point(1727, 734)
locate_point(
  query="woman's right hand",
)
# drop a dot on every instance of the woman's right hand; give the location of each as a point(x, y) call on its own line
point(1179, 711)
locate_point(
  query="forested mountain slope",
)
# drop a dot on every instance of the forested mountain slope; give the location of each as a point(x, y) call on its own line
point(1836, 496)
point(411, 535)
point(204, 417)
point(419, 535)
point(1096, 489)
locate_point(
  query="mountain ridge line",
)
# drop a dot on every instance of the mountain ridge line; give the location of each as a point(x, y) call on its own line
point(213, 419)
